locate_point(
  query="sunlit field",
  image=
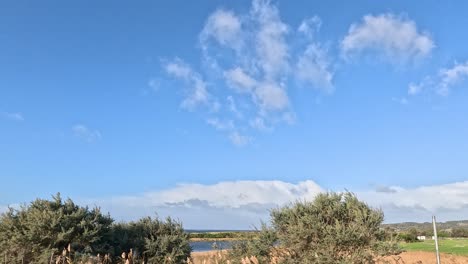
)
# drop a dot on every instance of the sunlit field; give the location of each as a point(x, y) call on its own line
point(450, 246)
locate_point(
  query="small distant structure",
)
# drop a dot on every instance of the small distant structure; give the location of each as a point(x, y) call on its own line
point(421, 238)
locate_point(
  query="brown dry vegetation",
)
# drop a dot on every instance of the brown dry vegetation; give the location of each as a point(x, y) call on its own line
point(213, 257)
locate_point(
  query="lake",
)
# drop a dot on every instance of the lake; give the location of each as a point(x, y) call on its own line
point(201, 246)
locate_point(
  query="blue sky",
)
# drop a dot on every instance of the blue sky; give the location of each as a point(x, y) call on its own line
point(215, 110)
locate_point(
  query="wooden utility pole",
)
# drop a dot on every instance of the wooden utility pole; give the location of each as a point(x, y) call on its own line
point(435, 239)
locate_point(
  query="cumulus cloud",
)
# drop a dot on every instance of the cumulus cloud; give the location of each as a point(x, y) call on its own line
point(443, 82)
point(395, 37)
point(242, 204)
point(224, 205)
point(85, 133)
point(13, 116)
point(447, 201)
point(251, 59)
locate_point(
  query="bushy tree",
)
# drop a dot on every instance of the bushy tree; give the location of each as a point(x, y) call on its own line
point(44, 228)
point(262, 247)
point(47, 230)
point(165, 241)
point(333, 228)
point(460, 232)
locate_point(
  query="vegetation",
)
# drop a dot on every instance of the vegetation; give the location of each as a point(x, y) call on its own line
point(58, 231)
point(334, 228)
point(451, 246)
point(455, 229)
point(233, 235)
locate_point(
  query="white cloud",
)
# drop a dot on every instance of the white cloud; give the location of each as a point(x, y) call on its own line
point(232, 106)
point(309, 27)
point(271, 97)
point(225, 27)
point(239, 139)
point(414, 89)
point(239, 80)
point(85, 133)
point(397, 38)
point(12, 116)
point(241, 204)
point(272, 49)
point(259, 124)
point(250, 59)
point(447, 201)
point(313, 68)
point(228, 205)
point(220, 125)
point(443, 82)
point(179, 69)
point(198, 93)
point(451, 77)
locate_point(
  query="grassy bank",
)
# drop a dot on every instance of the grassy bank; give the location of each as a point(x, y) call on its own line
point(450, 246)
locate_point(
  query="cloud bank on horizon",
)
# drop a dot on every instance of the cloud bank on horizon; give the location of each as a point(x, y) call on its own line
point(243, 204)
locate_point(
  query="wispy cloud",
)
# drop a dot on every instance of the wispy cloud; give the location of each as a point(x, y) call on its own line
point(396, 38)
point(197, 93)
point(85, 133)
point(225, 27)
point(221, 125)
point(13, 116)
point(443, 82)
point(450, 77)
point(253, 58)
point(238, 139)
point(242, 204)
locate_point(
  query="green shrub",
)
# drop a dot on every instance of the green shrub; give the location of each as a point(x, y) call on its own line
point(333, 228)
point(46, 231)
point(44, 228)
point(165, 241)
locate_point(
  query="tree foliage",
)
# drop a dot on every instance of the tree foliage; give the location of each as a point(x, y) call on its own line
point(43, 228)
point(41, 231)
point(333, 228)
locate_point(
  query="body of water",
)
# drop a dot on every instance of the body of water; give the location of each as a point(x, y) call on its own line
point(201, 246)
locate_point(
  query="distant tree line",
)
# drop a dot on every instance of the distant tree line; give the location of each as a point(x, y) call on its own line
point(234, 235)
point(411, 234)
point(58, 231)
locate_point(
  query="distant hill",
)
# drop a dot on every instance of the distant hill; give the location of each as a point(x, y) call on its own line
point(427, 225)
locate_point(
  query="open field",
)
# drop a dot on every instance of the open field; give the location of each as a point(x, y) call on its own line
point(449, 246)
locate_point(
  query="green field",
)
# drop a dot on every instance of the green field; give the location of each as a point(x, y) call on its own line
point(451, 246)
